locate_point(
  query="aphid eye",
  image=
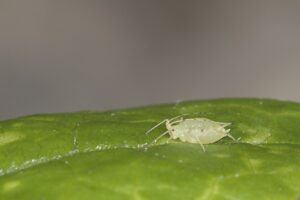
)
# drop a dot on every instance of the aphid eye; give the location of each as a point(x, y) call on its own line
point(173, 130)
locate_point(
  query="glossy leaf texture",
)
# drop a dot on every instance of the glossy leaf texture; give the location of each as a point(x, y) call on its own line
point(106, 155)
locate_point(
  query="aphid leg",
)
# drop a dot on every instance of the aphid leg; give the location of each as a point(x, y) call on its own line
point(169, 140)
point(201, 144)
point(230, 136)
point(151, 129)
point(155, 140)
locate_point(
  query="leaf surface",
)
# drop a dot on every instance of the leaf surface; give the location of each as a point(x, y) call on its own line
point(94, 155)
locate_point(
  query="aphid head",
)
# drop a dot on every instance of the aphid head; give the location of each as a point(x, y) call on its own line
point(170, 128)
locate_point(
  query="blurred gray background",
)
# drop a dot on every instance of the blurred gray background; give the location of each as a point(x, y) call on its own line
point(70, 55)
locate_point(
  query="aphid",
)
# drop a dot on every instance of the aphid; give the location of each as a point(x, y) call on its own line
point(194, 130)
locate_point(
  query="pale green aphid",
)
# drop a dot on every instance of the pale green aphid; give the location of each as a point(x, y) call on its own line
point(194, 130)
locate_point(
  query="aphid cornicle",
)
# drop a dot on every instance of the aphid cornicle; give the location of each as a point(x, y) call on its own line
point(194, 130)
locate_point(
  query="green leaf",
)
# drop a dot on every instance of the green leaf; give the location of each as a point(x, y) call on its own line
point(92, 155)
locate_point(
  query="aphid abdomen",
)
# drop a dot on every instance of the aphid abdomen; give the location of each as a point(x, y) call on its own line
point(212, 135)
point(192, 139)
point(186, 135)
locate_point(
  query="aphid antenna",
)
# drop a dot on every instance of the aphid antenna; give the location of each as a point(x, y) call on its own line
point(163, 121)
point(172, 119)
point(155, 140)
point(175, 122)
point(154, 127)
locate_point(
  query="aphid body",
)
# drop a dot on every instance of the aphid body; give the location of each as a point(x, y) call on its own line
point(194, 130)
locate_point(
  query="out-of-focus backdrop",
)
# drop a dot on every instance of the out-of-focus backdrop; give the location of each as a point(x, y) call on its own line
point(70, 55)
